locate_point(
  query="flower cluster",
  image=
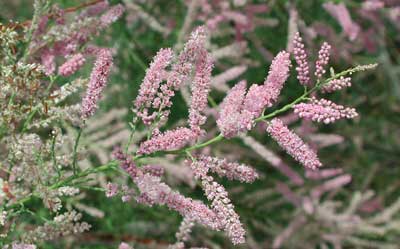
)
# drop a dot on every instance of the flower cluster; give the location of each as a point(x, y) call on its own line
point(323, 110)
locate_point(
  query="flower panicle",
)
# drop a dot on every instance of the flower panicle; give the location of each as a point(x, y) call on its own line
point(293, 144)
point(323, 110)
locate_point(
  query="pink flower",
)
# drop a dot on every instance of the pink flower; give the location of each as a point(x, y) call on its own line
point(323, 110)
point(277, 75)
point(151, 83)
point(323, 59)
point(232, 119)
point(322, 174)
point(71, 65)
point(153, 191)
point(336, 84)
point(222, 167)
point(200, 89)
point(169, 140)
point(97, 82)
point(300, 55)
point(48, 61)
point(124, 245)
point(111, 189)
point(331, 185)
point(111, 15)
point(342, 15)
point(293, 144)
point(224, 209)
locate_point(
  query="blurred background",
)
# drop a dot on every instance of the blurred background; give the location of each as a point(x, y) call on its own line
point(367, 148)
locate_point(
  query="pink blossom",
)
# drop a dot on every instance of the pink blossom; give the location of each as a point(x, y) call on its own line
point(48, 61)
point(277, 75)
point(222, 167)
point(153, 191)
point(169, 140)
point(151, 83)
point(322, 110)
point(200, 89)
point(336, 84)
point(323, 173)
point(124, 245)
point(224, 209)
point(342, 15)
point(231, 117)
point(293, 144)
point(71, 65)
point(323, 59)
point(97, 82)
point(23, 246)
point(300, 55)
point(111, 189)
point(154, 170)
point(331, 185)
point(111, 15)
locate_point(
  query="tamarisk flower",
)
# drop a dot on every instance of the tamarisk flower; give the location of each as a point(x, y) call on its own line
point(151, 83)
point(153, 191)
point(220, 202)
point(323, 110)
point(71, 65)
point(324, 173)
point(169, 140)
point(336, 84)
point(293, 144)
point(97, 82)
point(300, 55)
point(111, 15)
point(231, 170)
point(330, 185)
point(259, 97)
point(23, 246)
point(232, 118)
point(200, 89)
point(342, 15)
point(323, 58)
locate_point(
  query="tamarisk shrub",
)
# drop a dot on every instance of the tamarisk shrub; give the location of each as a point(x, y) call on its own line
point(37, 164)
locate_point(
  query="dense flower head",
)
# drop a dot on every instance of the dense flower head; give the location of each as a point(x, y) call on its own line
point(232, 118)
point(97, 82)
point(231, 170)
point(200, 89)
point(224, 209)
point(72, 65)
point(169, 140)
point(150, 85)
point(323, 110)
point(300, 55)
point(336, 84)
point(293, 144)
point(323, 59)
point(277, 76)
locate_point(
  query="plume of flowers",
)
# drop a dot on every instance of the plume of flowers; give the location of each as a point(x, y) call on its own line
point(72, 65)
point(336, 84)
point(232, 118)
point(200, 89)
point(293, 144)
point(168, 140)
point(231, 170)
point(342, 15)
point(150, 85)
point(323, 59)
point(300, 55)
point(113, 14)
point(323, 110)
point(153, 191)
point(220, 202)
point(97, 82)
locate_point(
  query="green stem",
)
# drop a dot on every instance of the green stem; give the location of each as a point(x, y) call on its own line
point(75, 154)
